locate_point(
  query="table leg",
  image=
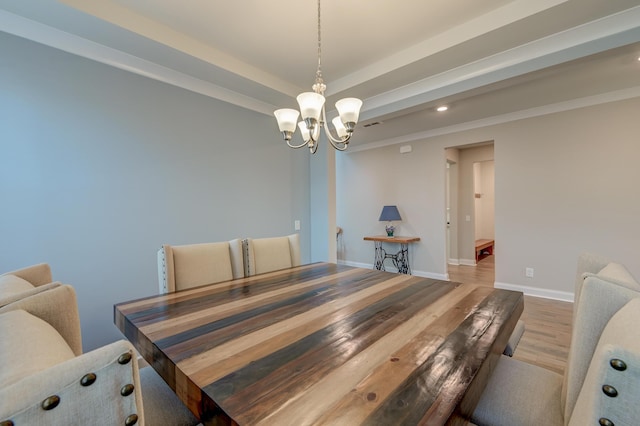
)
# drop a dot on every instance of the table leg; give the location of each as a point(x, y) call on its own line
point(401, 260)
point(380, 256)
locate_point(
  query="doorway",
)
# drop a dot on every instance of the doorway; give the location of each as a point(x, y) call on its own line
point(470, 202)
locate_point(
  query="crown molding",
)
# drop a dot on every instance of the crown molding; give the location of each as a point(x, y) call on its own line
point(593, 37)
point(70, 43)
point(618, 95)
point(611, 31)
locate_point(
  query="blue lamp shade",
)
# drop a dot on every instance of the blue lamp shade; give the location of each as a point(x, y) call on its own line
point(389, 213)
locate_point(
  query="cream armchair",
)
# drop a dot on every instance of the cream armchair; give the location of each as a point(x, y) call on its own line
point(605, 331)
point(186, 266)
point(271, 254)
point(25, 282)
point(46, 379)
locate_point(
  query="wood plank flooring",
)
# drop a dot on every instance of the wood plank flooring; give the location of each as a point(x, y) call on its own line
point(547, 322)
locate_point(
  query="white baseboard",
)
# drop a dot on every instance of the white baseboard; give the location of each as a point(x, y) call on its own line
point(444, 277)
point(454, 262)
point(563, 296)
point(355, 264)
point(432, 275)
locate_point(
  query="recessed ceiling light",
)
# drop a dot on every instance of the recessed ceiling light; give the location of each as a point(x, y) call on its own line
point(442, 108)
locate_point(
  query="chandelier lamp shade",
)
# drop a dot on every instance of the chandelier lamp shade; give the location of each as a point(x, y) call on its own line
point(313, 115)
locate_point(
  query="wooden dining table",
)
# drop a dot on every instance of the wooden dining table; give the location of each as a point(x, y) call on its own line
point(325, 344)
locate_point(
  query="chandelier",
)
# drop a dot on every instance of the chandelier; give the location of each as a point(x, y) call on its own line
point(312, 109)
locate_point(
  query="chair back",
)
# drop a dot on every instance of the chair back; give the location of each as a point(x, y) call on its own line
point(599, 295)
point(25, 282)
point(37, 275)
point(271, 254)
point(192, 265)
point(611, 389)
point(588, 263)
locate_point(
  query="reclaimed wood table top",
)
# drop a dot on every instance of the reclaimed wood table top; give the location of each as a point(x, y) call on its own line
point(325, 344)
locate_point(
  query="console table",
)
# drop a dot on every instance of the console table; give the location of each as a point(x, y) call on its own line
point(400, 259)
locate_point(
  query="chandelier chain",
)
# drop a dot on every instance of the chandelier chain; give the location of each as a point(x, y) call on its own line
point(319, 79)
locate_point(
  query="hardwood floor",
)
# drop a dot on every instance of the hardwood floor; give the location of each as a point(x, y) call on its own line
point(547, 335)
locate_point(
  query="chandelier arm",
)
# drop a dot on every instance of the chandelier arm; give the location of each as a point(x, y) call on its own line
point(334, 141)
point(339, 148)
point(297, 146)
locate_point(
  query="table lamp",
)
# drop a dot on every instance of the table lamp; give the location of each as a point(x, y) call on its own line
point(389, 214)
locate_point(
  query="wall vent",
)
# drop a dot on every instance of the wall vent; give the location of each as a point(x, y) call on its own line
point(375, 123)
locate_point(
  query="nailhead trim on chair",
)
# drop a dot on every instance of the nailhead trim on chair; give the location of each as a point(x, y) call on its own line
point(610, 391)
point(164, 271)
point(51, 402)
point(127, 390)
point(245, 255)
point(88, 379)
point(618, 364)
point(124, 358)
point(131, 420)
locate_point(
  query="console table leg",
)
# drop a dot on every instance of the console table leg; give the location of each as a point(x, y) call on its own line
point(401, 260)
point(380, 256)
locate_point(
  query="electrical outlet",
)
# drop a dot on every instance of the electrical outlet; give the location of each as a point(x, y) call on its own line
point(296, 225)
point(528, 272)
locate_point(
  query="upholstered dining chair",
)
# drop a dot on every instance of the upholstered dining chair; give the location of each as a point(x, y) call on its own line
point(271, 254)
point(192, 265)
point(46, 379)
point(21, 283)
point(601, 384)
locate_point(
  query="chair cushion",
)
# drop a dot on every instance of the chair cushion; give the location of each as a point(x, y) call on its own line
point(521, 394)
point(271, 254)
point(200, 264)
point(28, 345)
point(10, 285)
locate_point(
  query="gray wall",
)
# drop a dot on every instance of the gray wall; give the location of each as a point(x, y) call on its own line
point(415, 182)
point(100, 167)
point(564, 183)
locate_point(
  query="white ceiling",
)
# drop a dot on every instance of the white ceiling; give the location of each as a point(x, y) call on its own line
point(489, 60)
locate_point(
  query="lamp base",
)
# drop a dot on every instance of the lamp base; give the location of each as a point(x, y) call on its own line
point(389, 233)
